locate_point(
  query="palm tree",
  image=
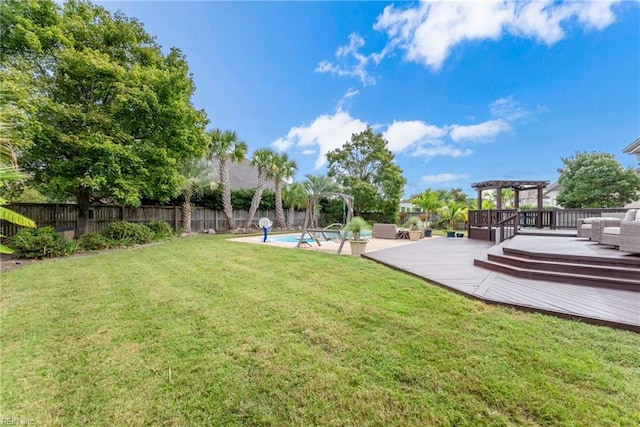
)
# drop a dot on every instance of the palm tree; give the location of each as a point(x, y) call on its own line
point(283, 170)
point(430, 202)
point(296, 197)
point(196, 178)
point(316, 185)
point(263, 160)
point(227, 147)
point(452, 213)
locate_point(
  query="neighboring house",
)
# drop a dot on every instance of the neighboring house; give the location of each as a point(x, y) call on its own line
point(241, 175)
point(550, 194)
point(409, 207)
point(634, 150)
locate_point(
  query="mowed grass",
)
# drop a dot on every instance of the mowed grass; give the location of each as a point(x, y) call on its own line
point(202, 331)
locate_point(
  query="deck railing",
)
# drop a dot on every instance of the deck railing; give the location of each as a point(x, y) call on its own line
point(483, 224)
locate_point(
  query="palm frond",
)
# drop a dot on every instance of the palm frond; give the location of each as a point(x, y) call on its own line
point(16, 218)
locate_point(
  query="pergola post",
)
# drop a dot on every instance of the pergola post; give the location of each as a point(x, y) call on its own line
point(540, 206)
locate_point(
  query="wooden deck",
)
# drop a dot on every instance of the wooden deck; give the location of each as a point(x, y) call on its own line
point(449, 262)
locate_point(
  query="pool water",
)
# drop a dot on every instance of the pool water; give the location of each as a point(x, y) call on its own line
point(296, 237)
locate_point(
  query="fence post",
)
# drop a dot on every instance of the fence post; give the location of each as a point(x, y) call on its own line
point(56, 222)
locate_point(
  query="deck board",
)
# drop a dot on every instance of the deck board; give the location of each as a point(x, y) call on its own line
point(449, 263)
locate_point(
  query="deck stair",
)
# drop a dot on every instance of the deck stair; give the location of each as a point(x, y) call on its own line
point(590, 269)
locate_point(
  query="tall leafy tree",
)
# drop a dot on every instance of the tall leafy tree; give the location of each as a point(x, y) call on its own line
point(283, 169)
point(365, 168)
point(195, 179)
point(108, 115)
point(596, 180)
point(263, 160)
point(227, 147)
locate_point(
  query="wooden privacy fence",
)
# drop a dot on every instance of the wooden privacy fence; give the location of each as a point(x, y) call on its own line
point(63, 216)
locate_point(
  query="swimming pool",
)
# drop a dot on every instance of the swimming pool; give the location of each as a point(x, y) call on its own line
point(294, 238)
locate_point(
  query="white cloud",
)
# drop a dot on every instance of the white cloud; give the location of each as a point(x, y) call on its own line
point(439, 148)
point(327, 132)
point(444, 177)
point(508, 109)
point(481, 131)
point(405, 133)
point(353, 63)
point(429, 31)
point(282, 144)
point(416, 138)
point(345, 100)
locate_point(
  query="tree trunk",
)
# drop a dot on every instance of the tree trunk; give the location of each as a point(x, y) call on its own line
point(185, 217)
point(257, 197)
point(83, 198)
point(291, 216)
point(280, 222)
point(226, 193)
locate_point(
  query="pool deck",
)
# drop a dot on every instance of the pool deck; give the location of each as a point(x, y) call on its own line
point(450, 263)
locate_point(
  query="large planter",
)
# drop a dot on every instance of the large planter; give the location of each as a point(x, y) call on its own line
point(427, 232)
point(415, 234)
point(357, 247)
point(451, 234)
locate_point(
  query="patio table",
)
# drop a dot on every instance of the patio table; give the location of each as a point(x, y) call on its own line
point(403, 233)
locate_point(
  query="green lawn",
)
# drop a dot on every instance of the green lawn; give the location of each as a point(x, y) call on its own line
point(201, 331)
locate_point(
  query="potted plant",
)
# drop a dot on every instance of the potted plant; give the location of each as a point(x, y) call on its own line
point(415, 230)
point(356, 226)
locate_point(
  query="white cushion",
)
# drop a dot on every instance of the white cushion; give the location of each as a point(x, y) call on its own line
point(586, 227)
point(630, 215)
point(595, 218)
point(611, 230)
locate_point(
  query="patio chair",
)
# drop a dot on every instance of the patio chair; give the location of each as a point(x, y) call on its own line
point(598, 226)
point(630, 235)
point(612, 235)
point(585, 225)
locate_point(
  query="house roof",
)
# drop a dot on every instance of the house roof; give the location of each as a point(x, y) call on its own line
point(633, 148)
point(241, 175)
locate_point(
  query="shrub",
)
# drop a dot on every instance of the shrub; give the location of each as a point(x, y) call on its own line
point(161, 229)
point(93, 242)
point(127, 233)
point(39, 243)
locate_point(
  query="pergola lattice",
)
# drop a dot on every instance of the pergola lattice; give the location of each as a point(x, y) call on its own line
point(516, 186)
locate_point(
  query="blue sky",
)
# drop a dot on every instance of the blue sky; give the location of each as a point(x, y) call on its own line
point(463, 91)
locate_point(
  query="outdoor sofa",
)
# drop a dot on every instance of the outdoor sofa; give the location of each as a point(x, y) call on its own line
point(384, 231)
point(625, 235)
point(586, 225)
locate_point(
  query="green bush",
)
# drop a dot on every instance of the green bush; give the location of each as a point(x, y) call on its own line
point(127, 233)
point(93, 242)
point(40, 243)
point(161, 229)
